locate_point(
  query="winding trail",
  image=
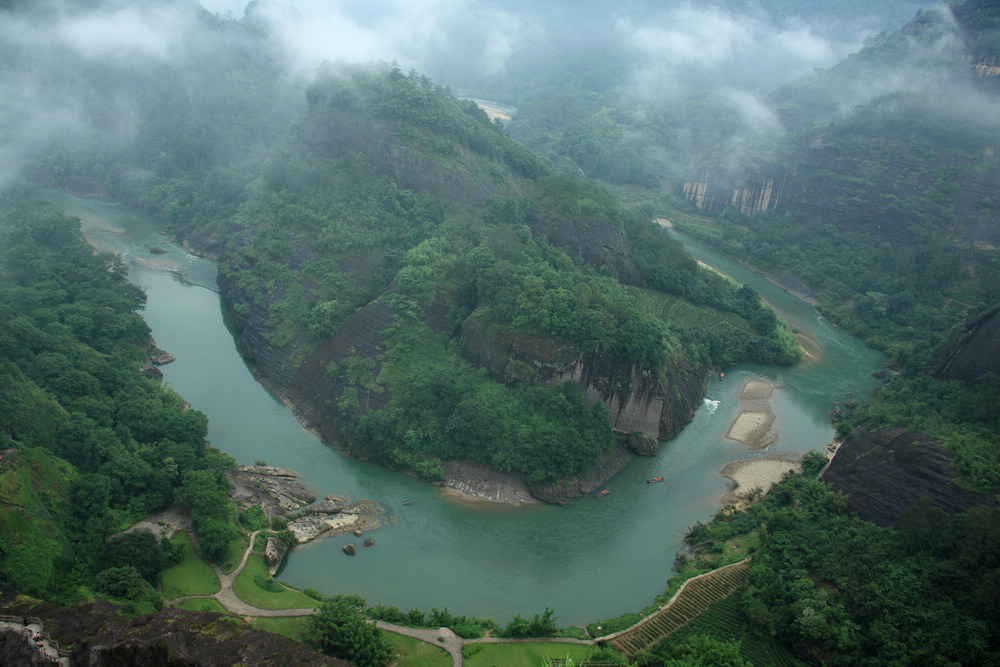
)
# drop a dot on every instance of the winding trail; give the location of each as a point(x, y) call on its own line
point(31, 627)
point(441, 637)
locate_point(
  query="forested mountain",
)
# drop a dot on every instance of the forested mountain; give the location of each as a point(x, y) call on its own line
point(398, 268)
point(400, 239)
point(889, 211)
point(420, 287)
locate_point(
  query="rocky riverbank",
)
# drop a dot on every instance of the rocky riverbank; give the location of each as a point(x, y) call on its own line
point(474, 481)
point(279, 493)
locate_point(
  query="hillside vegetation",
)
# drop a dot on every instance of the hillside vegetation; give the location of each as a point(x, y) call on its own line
point(396, 212)
point(90, 444)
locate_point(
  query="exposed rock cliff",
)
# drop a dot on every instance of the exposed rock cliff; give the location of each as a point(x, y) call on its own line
point(748, 192)
point(972, 351)
point(598, 243)
point(638, 397)
point(886, 471)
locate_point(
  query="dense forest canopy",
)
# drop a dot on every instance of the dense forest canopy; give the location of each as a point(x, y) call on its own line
point(339, 196)
point(110, 443)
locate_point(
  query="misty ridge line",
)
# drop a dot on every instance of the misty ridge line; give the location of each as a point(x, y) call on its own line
point(51, 95)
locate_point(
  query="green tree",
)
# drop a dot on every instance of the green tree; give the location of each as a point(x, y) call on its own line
point(123, 582)
point(340, 629)
point(138, 549)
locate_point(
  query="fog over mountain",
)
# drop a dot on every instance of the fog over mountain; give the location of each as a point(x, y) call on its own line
point(633, 54)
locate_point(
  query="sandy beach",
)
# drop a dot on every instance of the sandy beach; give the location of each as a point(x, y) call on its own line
point(753, 425)
point(760, 473)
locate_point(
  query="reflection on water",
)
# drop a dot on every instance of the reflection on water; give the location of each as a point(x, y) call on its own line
point(595, 559)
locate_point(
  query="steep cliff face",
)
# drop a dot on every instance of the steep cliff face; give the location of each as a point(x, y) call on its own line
point(313, 387)
point(884, 472)
point(748, 193)
point(638, 397)
point(876, 152)
point(973, 351)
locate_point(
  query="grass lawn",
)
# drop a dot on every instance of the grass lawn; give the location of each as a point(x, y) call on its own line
point(192, 576)
point(236, 549)
point(413, 652)
point(518, 654)
point(247, 589)
point(201, 604)
point(289, 626)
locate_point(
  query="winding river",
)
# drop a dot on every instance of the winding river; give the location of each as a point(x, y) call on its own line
point(595, 559)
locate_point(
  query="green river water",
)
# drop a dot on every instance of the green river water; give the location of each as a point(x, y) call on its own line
point(595, 559)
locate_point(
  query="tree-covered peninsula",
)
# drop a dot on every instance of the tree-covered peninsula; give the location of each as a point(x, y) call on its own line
point(420, 288)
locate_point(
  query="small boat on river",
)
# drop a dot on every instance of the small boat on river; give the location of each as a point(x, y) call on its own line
point(603, 493)
point(654, 480)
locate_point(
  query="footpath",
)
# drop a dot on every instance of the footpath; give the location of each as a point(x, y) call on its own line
point(441, 637)
point(31, 627)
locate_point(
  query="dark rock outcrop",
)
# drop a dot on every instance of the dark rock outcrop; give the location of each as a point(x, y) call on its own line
point(884, 472)
point(350, 549)
point(97, 635)
point(597, 242)
point(972, 351)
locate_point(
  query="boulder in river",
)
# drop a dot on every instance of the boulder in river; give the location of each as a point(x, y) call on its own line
point(350, 549)
point(157, 250)
point(369, 541)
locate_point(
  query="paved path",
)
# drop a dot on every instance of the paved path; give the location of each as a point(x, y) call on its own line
point(47, 647)
point(441, 637)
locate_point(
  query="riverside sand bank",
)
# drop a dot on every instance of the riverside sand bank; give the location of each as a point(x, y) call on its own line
point(752, 428)
point(762, 473)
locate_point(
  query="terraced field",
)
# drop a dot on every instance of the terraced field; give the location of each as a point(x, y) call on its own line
point(694, 598)
point(725, 619)
point(681, 315)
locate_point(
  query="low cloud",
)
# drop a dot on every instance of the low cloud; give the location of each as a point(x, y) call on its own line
point(412, 34)
point(690, 45)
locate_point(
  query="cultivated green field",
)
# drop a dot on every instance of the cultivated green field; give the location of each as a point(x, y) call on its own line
point(725, 618)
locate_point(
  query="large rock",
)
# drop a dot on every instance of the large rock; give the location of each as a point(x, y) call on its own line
point(275, 552)
point(486, 483)
point(971, 352)
point(281, 484)
point(884, 472)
